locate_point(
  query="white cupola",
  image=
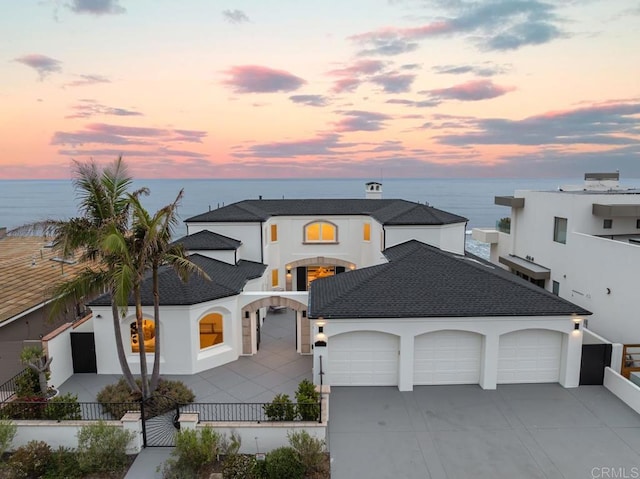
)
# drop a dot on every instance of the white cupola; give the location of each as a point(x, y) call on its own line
point(373, 190)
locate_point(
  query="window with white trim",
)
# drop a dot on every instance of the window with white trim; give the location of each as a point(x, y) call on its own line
point(320, 232)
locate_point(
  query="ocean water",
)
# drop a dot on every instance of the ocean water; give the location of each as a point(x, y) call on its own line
point(28, 201)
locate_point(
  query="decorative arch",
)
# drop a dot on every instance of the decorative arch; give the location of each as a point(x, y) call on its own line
point(320, 261)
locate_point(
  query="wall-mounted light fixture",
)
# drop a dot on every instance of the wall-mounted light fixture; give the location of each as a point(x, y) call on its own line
point(576, 326)
point(246, 314)
point(98, 316)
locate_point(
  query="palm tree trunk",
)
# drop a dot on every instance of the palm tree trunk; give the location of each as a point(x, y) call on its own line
point(155, 375)
point(144, 373)
point(122, 357)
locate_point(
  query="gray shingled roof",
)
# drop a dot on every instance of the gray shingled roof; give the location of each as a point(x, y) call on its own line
point(387, 212)
point(226, 280)
point(208, 240)
point(423, 281)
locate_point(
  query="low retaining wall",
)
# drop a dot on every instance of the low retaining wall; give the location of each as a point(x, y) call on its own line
point(65, 433)
point(628, 392)
point(265, 437)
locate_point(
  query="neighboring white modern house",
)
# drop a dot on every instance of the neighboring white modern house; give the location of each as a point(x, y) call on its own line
point(583, 244)
point(262, 253)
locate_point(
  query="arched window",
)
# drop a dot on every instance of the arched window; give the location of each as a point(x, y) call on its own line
point(320, 232)
point(211, 330)
point(149, 328)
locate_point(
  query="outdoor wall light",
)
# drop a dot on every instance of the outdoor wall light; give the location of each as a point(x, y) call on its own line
point(321, 329)
point(576, 326)
point(99, 316)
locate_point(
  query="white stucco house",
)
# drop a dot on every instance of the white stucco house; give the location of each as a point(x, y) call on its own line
point(583, 244)
point(383, 292)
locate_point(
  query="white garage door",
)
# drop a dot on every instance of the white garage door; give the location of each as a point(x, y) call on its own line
point(447, 357)
point(530, 356)
point(363, 358)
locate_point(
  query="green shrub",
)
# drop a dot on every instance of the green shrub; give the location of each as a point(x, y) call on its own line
point(25, 408)
point(63, 408)
point(117, 398)
point(194, 450)
point(280, 409)
point(310, 450)
point(7, 433)
point(239, 466)
point(27, 385)
point(63, 464)
point(283, 463)
point(102, 448)
point(231, 446)
point(308, 401)
point(30, 460)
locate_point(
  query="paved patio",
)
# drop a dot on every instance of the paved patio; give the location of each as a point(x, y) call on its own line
point(516, 431)
point(277, 368)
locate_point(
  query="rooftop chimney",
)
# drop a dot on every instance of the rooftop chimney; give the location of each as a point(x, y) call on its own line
point(602, 181)
point(373, 190)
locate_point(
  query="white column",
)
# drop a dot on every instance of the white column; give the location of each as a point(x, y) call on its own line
point(489, 365)
point(405, 363)
point(571, 359)
point(132, 421)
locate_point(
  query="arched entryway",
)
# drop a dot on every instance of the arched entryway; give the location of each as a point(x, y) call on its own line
point(302, 272)
point(253, 316)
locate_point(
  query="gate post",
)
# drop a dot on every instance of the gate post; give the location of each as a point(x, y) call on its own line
point(132, 421)
point(144, 426)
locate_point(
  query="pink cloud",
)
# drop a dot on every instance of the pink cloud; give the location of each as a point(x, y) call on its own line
point(260, 79)
point(473, 90)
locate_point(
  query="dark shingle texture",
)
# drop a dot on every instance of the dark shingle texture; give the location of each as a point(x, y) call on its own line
point(226, 280)
point(387, 212)
point(207, 241)
point(423, 281)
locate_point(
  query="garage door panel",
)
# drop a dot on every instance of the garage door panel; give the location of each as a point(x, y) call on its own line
point(363, 358)
point(447, 357)
point(530, 356)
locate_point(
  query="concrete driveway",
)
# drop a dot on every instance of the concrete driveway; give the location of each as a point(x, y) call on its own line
point(516, 431)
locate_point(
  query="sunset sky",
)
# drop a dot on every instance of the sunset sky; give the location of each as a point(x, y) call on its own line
point(332, 88)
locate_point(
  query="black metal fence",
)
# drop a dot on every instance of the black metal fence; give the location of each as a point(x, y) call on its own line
point(214, 412)
point(40, 408)
point(9, 388)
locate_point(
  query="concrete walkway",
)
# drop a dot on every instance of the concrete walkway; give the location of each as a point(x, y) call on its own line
point(277, 368)
point(448, 432)
point(148, 464)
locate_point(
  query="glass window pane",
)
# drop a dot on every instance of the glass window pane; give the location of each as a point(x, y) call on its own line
point(367, 232)
point(328, 232)
point(313, 232)
point(211, 330)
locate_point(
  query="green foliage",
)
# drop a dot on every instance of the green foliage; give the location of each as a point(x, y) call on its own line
point(280, 409)
point(308, 401)
point(60, 408)
point(63, 408)
point(63, 464)
point(283, 463)
point(27, 384)
point(7, 433)
point(231, 446)
point(194, 450)
point(102, 448)
point(30, 460)
point(239, 466)
point(310, 449)
point(118, 398)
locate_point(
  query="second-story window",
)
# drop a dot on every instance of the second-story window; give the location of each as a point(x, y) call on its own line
point(274, 233)
point(607, 224)
point(366, 232)
point(560, 230)
point(320, 232)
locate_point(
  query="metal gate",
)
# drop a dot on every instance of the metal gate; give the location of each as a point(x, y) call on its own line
point(595, 357)
point(160, 421)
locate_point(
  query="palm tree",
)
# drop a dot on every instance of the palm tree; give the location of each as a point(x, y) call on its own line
point(154, 248)
point(104, 206)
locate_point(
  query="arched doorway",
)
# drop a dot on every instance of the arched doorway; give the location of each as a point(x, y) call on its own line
point(304, 271)
point(252, 322)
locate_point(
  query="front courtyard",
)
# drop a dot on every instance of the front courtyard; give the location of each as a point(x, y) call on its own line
point(276, 368)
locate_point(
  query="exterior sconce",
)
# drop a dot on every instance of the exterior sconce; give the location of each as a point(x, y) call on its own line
point(321, 340)
point(576, 325)
point(352, 266)
point(288, 267)
point(321, 329)
point(99, 316)
point(246, 314)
